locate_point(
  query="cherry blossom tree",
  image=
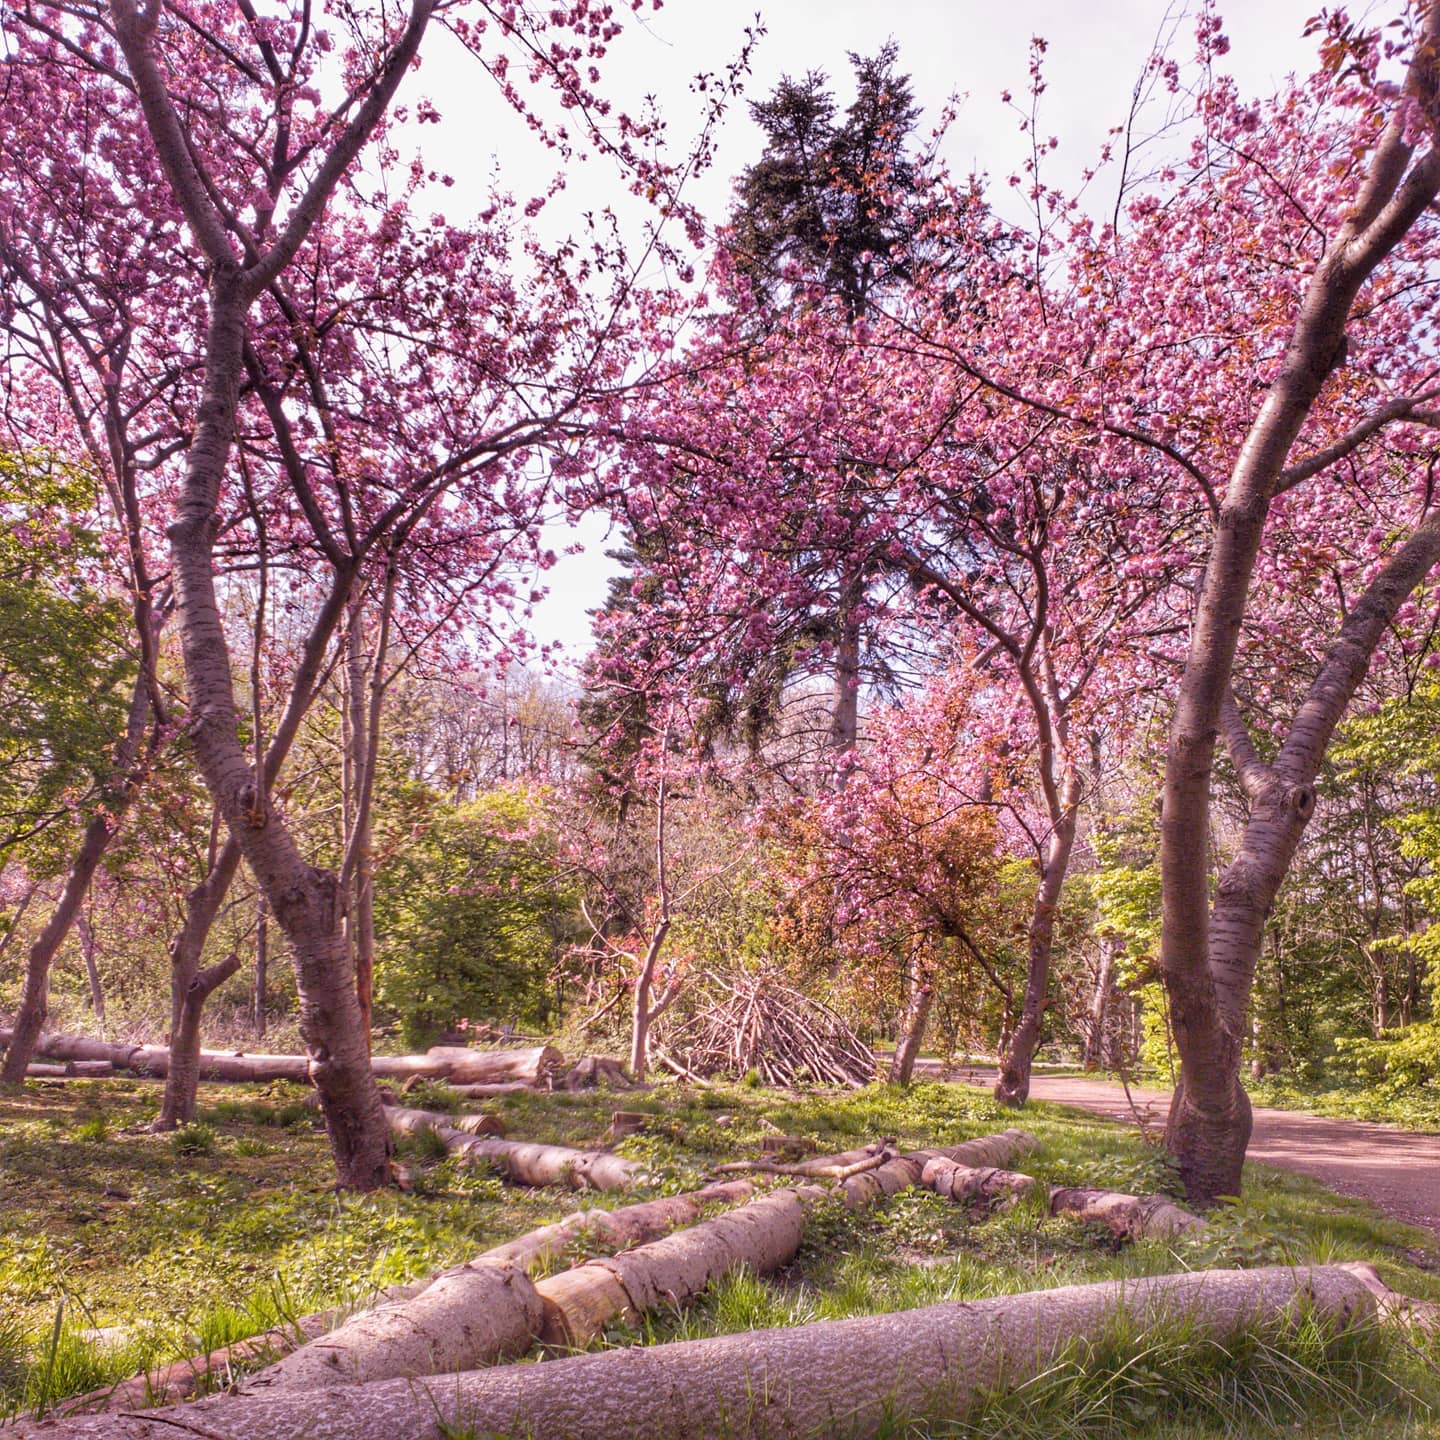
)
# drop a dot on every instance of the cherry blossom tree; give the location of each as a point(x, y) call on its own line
point(255, 126)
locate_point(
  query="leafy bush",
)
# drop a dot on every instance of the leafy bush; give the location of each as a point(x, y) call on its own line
point(471, 917)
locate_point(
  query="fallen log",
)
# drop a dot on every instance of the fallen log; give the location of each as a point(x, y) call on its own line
point(761, 1236)
point(459, 1065)
point(972, 1182)
point(1131, 1217)
point(470, 1316)
point(518, 1160)
point(530, 1068)
point(70, 1070)
point(902, 1172)
point(490, 1092)
point(629, 1225)
point(594, 1070)
point(845, 1377)
point(615, 1229)
point(181, 1379)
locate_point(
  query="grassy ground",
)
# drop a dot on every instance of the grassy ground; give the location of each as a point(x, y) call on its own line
point(169, 1245)
point(1412, 1107)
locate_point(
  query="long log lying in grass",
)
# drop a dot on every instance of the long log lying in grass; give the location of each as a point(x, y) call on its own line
point(521, 1161)
point(531, 1067)
point(179, 1380)
point(761, 1236)
point(470, 1316)
point(615, 1229)
point(835, 1377)
point(628, 1225)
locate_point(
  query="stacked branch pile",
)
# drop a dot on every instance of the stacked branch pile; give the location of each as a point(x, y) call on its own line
point(755, 1022)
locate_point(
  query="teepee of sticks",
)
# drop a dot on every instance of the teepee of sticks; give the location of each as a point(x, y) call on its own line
point(756, 1022)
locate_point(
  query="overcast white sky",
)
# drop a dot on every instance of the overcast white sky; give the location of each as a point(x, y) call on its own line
point(975, 50)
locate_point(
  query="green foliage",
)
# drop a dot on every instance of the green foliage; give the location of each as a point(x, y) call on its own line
point(194, 1139)
point(471, 916)
point(62, 659)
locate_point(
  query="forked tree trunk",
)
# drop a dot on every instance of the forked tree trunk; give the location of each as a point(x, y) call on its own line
point(190, 987)
point(1209, 952)
point(306, 901)
point(34, 1006)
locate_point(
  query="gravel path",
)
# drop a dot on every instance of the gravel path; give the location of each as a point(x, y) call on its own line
point(1397, 1170)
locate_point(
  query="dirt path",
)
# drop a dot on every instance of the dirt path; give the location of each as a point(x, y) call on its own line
point(1397, 1170)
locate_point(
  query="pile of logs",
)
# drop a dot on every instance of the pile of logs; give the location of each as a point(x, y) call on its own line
point(754, 1022)
point(365, 1375)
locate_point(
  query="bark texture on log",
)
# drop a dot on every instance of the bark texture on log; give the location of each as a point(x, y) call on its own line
point(836, 1377)
point(1131, 1217)
point(973, 1182)
point(469, 1317)
point(524, 1163)
point(761, 1236)
point(615, 1229)
point(183, 1378)
point(630, 1225)
point(497, 1071)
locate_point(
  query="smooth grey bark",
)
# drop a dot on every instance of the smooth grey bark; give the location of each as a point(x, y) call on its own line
point(1209, 951)
point(831, 1378)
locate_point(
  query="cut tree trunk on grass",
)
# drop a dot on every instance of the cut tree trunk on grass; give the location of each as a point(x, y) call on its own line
point(835, 1377)
point(971, 1182)
point(533, 1066)
point(761, 1236)
point(183, 1378)
point(592, 1071)
point(901, 1172)
point(524, 1163)
point(70, 1069)
point(468, 1317)
point(1131, 1217)
point(515, 1069)
point(615, 1229)
point(629, 1225)
point(488, 1092)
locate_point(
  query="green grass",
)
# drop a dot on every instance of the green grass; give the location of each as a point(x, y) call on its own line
point(187, 1247)
point(1412, 1108)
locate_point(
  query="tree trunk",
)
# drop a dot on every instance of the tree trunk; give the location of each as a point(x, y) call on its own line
point(262, 966)
point(912, 1035)
point(34, 1005)
point(92, 969)
point(1095, 1048)
point(1208, 952)
point(183, 1077)
point(760, 1236)
point(845, 701)
point(1013, 1085)
point(190, 987)
point(1129, 1217)
point(833, 1377)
